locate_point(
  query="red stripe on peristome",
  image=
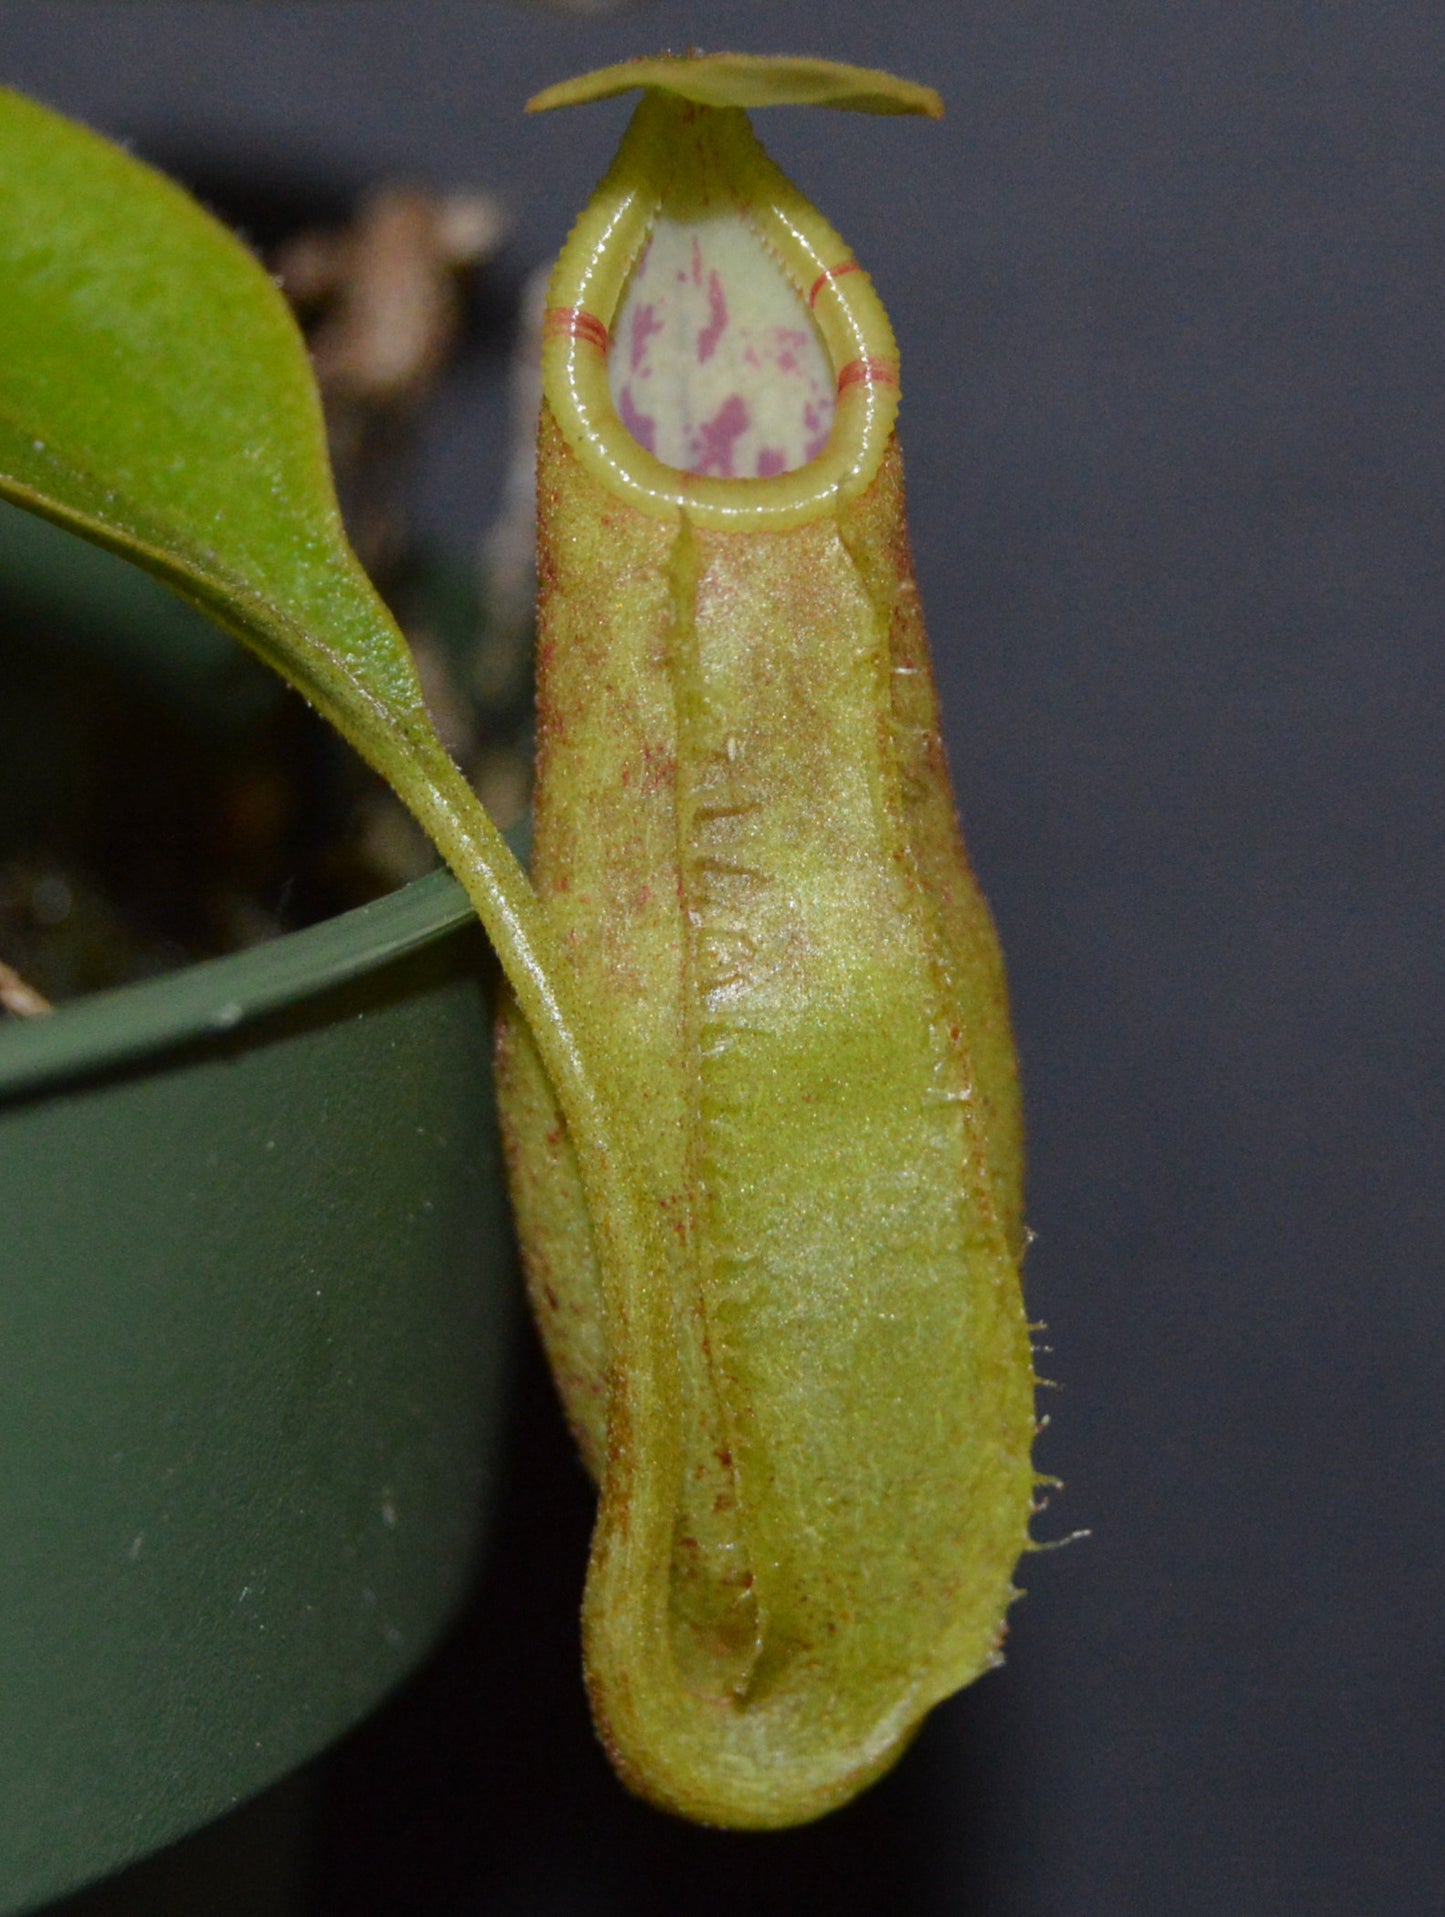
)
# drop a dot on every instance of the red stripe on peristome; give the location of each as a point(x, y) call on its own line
point(575, 322)
point(829, 274)
point(874, 372)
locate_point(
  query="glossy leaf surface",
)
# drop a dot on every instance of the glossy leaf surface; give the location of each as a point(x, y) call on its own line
point(155, 396)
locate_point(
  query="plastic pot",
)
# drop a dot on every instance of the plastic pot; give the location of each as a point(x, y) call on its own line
point(255, 1295)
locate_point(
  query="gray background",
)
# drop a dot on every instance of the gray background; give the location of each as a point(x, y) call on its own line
point(1168, 285)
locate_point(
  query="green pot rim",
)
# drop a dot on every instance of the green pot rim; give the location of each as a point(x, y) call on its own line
point(219, 996)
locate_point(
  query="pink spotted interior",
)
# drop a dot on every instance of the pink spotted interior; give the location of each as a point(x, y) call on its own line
point(716, 366)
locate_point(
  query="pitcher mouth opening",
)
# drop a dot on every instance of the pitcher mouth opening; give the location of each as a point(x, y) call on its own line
point(711, 347)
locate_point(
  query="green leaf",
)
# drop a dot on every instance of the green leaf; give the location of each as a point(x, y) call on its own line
point(156, 397)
